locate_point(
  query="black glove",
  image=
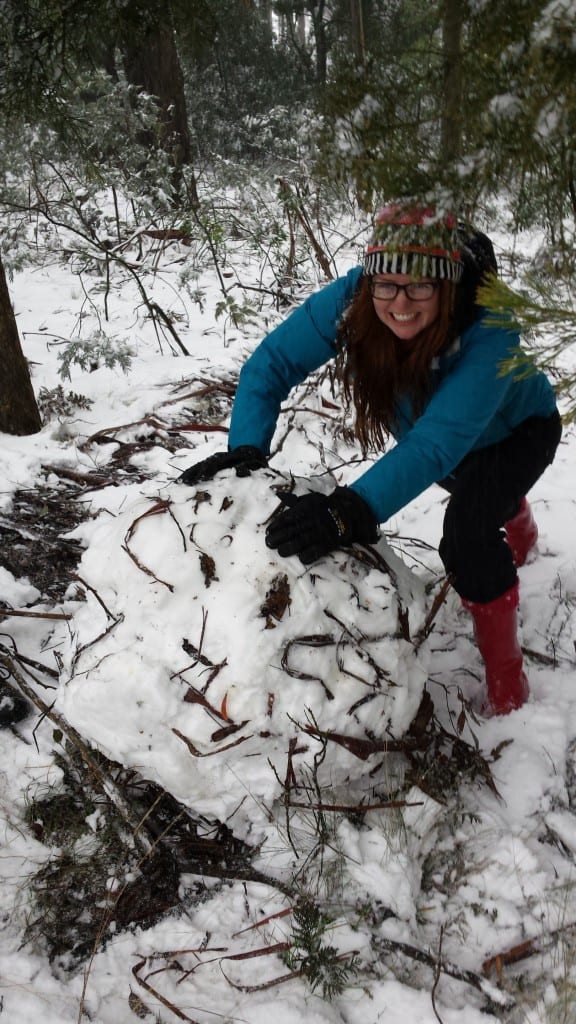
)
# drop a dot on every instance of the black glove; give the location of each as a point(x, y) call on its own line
point(243, 459)
point(317, 523)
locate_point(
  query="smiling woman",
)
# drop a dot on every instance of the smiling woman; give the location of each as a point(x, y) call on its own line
point(406, 306)
point(419, 362)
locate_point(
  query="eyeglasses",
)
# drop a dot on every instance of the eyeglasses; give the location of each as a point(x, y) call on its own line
point(417, 291)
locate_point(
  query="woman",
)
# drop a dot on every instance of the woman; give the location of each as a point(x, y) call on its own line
point(419, 362)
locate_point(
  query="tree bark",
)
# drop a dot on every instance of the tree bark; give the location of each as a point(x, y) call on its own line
point(18, 410)
point(452, 85)
point(301, 29)
point(316, 11)
point(152, 65)
point(266, 11)
point(357, 33)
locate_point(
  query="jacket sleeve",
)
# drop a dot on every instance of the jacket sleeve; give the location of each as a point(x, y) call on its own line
point(299, 345)
point(466, 401)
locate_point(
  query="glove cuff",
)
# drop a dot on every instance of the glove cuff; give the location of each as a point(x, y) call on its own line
point(248, 458)
point(353, 517)
point(247, 451)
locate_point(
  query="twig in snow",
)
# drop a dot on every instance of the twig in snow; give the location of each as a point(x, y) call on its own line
point(10, 613)
point(524, 950)
point(161, 506)
point(437, 974)
point(199, 658)
point(114, 621)
point(437, 603)
point(496, 997)
point(317, 640)
point(209, 753)
point(157, 995)
point(265, 920)
point(358, 808)
point(264, 984)
point(93, 479)
point(102, 778)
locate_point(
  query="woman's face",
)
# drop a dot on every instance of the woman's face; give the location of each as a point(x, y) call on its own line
point(406, 317)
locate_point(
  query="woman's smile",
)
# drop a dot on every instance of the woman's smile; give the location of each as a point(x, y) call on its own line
point(404, 316)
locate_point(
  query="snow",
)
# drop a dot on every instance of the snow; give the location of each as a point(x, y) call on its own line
point(174, 666)
point(354, 611)
point(507, 105)
point(557, 16)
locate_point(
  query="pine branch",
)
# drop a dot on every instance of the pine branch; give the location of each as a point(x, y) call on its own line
point(547, 324)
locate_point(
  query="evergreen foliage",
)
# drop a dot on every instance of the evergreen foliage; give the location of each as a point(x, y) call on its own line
point(462, 102)
point(245, 87)
point(538, 312)
point(382, 115)
point(320, 962)
point(525, 137)
point(384, 118)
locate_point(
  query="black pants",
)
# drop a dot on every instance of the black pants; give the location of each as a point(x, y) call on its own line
point(485, 491)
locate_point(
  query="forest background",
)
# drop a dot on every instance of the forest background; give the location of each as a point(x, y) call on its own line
point(333, 101)
point(135, 136)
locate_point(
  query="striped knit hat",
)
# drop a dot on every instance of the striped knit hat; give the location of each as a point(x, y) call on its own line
point(414, 240)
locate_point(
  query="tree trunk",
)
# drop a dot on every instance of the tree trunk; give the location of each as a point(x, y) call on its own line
point(357, 33)
point(301, 29)
point(452, 85)
point(18, 410)
point(266, 11)
point(316, 11)
point(152, 64)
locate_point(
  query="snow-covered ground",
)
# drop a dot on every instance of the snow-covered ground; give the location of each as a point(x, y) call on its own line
point(229, 677)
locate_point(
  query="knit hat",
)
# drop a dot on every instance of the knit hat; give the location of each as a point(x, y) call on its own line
point(414, 240)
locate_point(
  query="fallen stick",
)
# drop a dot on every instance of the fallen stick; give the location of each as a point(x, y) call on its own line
point(497, 998)
point(524, 950)
point(20, 612)
point(105, 783)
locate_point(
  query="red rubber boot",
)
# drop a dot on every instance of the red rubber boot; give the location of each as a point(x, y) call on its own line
point(521, 533)
point(495, 629)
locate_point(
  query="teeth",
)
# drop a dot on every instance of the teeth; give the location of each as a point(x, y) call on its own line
point(404, 319)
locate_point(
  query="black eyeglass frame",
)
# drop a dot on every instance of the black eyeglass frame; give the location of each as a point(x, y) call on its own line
point(430, 286)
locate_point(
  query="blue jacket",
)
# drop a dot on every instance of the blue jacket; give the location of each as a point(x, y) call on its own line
point(473, 403)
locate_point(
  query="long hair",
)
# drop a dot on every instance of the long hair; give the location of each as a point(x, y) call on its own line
point(377, 369)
